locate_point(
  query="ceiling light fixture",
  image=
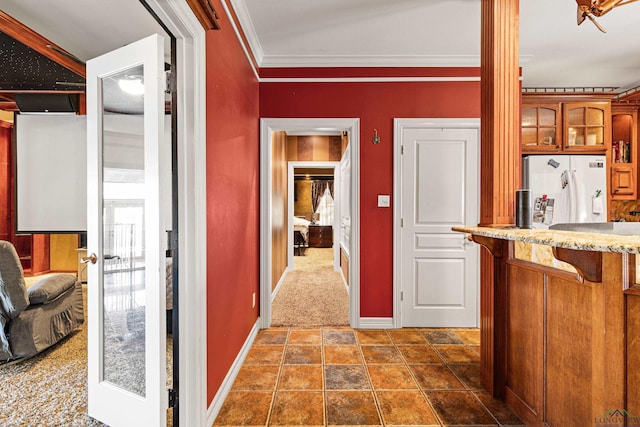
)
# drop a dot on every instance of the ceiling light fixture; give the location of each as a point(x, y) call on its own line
point(133, 85)
point(591, 8)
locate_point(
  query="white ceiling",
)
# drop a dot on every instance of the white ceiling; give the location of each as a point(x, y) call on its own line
point(555, 52)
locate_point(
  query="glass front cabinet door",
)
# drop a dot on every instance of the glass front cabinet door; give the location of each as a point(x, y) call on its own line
point(541, 130)
point(587, 126)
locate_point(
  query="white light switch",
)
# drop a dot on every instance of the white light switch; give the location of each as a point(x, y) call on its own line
point(384, 200)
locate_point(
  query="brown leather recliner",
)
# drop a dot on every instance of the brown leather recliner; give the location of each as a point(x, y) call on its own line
point(33, 319)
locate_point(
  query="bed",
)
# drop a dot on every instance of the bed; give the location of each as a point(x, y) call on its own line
point(302, 225)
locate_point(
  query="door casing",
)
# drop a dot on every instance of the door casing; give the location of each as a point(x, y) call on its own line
point(267, 127)
point(191, 169)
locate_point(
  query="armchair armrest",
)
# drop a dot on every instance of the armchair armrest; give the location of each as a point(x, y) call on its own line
point(50, 288)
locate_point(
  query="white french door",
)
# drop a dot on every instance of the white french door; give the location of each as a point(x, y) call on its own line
point(126, 286)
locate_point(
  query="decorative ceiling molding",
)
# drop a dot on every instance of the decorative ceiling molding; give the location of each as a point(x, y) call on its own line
point(284, 61)
point(239, 7)
point(205, 13)
point(35, 41)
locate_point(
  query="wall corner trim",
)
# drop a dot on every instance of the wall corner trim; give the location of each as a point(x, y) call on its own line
point(227, 383)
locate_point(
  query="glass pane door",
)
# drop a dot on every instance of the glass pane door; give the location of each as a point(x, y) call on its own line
point(127, 341)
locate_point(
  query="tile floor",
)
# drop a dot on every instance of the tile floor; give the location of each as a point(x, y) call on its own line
point(341, 376)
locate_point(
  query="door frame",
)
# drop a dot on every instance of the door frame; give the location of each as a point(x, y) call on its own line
point(292, 165)
point(267, 127)
point(399, 125)
point(191, 169)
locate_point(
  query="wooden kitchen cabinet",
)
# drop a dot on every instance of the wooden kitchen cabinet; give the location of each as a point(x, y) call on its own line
point(541, 128)
point(559, 126)
point(586, 126)
point(622, 154)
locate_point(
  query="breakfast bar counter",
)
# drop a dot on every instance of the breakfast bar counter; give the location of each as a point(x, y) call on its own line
point(560, 323)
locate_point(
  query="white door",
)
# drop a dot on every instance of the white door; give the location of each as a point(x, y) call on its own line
point(126, 301)
point(439, 277)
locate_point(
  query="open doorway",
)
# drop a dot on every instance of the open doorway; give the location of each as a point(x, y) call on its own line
point(313, 292)
point(333, 237)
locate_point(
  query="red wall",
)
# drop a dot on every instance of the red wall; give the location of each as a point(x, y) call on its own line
point(376, 104)
point(232, 201)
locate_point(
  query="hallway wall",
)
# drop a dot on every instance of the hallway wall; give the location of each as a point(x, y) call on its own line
point(376, 104)
point(233, 200)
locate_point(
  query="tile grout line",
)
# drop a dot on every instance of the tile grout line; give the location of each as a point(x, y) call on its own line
point(420, 390)
point(275, 387)
point(325, 415)
point(472, 391)
point(373, 392)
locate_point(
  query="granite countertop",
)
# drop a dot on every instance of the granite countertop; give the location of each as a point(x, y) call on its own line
point(599, 242)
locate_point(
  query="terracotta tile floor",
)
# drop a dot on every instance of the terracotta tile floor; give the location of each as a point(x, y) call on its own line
point(341, 376)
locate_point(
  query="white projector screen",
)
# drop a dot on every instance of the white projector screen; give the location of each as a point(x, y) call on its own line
point(51, 173)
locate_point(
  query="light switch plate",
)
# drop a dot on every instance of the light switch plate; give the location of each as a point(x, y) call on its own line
point(384, 200)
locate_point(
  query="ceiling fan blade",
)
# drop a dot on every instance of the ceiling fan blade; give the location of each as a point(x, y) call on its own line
point(596, 23)
point(581, 16)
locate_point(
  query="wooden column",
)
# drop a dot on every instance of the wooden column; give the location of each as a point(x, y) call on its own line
point(500, 151)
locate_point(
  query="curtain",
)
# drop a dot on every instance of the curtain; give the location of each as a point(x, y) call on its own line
point(317, 190)
point(331, 189)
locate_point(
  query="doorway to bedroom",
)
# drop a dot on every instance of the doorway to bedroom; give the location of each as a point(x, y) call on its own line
point(308, 262)
point(314, 291)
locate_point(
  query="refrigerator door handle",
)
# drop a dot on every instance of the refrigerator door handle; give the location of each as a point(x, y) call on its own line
point(571, 196)
point(580, 214)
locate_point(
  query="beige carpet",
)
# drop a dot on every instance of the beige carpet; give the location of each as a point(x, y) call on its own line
point(312, 294)
point(50, 389)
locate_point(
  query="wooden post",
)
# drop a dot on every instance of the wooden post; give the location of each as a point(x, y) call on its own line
point(500, 150)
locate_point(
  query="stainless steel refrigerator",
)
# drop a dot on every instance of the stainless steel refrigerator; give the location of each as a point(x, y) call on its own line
point(566, 188)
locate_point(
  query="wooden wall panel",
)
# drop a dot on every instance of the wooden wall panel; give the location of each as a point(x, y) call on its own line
point(303, 206)
point(279, 210)
point(633, 354)
point(314, 148)
point(6, 134)
point(40, 254)
point(335, 148)
point(525, 338)
point(569, 353)
point(63, 254)
point(344, 265)
point(305, 149)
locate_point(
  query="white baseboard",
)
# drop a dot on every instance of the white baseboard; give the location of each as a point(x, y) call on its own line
point(280, 282)
point(376, 323)
point(225, 387)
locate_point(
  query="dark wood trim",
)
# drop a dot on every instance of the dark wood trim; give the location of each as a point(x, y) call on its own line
point(206, 14)
point(493, 314)
point(546, 97)
point(588, 263)
point(500, 111)
point(495, 246)
point(500, 99)
point(35, 41)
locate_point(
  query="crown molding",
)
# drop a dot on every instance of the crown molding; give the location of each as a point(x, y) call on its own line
point(286, 61)
point(367, 79)
point(293, 61)
point(25, 35)
point(244, 19)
